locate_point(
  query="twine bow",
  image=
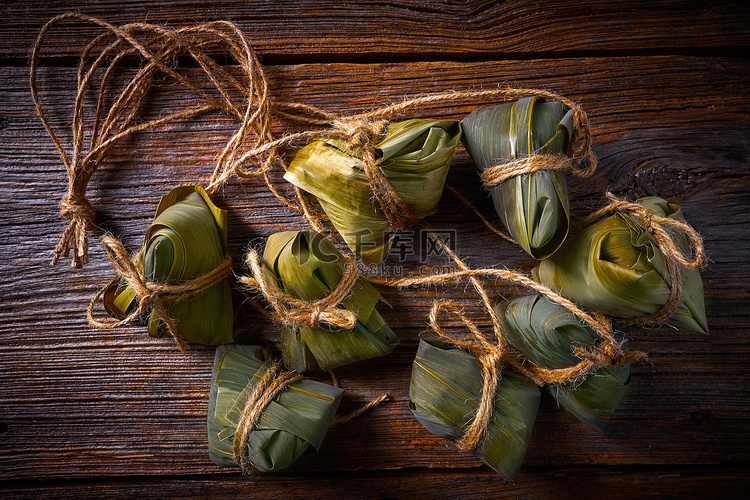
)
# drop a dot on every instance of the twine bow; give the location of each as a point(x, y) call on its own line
point(151, 295)
point(659, 227)
point(270, 385)
point(294, 312)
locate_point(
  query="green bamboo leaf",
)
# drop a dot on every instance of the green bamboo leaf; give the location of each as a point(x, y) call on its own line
point(295, 422)
point(547, 334)
point(186, 240)
point(414, 155)
point(614, 266)
point(445, 391)
point(533, 207)
point(306, 265)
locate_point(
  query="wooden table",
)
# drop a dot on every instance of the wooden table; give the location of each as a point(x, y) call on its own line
point(116, 413)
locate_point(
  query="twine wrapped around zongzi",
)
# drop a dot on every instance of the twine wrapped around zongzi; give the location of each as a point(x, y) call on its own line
point(293, 312)
point(326, 312)
point(640, 263)
point(580, 160)
point(270, 385)
point(151, 295)
point(676, 260)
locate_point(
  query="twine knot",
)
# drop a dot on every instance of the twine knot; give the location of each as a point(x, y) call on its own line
point(152, 295)
point(360, 134)
point(315, 315)
point(76, 206)
point(77, 209)
point(294, 312)
point(270, 385)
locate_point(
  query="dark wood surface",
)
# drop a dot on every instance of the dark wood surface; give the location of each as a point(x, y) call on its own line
point(116, 413)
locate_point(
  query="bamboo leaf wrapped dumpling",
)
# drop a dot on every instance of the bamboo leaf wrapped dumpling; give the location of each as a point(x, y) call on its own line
point(414, 157)
point(187, 239)
point(306, 265)
point(547, 334)
point(614, 266)
point(445, 390)
point(294, 422)
point(534, 207)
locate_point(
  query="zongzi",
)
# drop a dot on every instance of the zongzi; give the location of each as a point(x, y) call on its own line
point(614, 266)
point(306, 265)
point(414, 157)
point(533, 207)
point(294, 422)
point(547, 334)
point(188, 238)
point(444, 395)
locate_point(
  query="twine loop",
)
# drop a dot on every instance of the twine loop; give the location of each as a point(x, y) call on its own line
point(155, 296)
point(294, 312)
point(579, 159)
point(270, 385)
point(494, 176)
point(658, 227)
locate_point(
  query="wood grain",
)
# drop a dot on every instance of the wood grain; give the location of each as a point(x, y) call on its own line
point(535, 484)
point(372, 31)
point(116, 413)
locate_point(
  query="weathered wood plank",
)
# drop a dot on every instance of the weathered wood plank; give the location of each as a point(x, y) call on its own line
point(534, 483)
point(413, 30)
point(86, 404)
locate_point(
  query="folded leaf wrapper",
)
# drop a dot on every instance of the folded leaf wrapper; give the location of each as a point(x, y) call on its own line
point(294, 422)
point(306, 265)
point(547, 334)
point(445, 390)
point(614, 266)
point(414, 157)
point(533, 207)
point(187, 239)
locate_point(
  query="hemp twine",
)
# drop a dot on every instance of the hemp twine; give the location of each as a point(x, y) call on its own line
point(273, 382)
point(659, 227)
point(156, 47)
point(155, 44)
point(291, 311)
point(270, 385)
point(156, 296)
point(359, 131)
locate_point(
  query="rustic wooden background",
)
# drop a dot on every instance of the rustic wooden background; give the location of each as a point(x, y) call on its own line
point(116, 413)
